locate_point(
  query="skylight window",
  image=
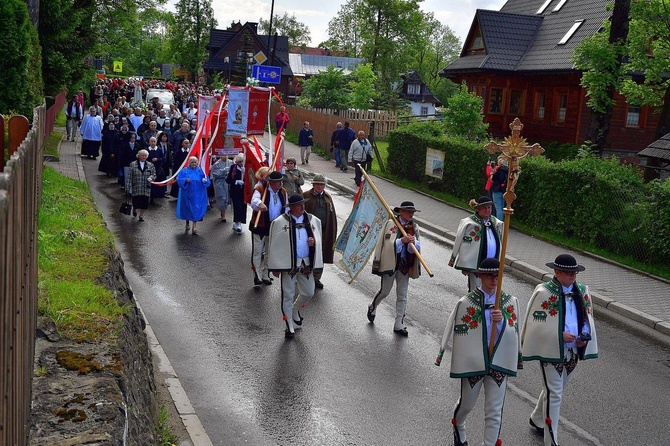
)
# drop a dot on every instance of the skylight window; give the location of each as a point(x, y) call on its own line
point(559, 6)
point(543, 7)
point(571, 31)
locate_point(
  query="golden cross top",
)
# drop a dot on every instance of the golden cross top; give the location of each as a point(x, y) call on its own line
point(513, 149)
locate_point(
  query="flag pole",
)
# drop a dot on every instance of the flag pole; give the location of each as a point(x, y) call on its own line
point(395, 220)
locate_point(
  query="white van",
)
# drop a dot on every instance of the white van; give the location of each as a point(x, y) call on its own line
point(165, 97)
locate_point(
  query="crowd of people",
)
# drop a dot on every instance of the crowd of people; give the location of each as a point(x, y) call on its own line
point(292, 237)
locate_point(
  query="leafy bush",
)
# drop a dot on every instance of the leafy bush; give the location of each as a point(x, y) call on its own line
point(557, 151)
point(597, 202)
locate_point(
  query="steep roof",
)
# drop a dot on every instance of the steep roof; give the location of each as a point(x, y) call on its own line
point(309, 64)
point(658, 149)
point(523, 37)
point(412, 77)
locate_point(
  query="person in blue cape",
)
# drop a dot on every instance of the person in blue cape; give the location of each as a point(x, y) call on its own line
point(192, 202)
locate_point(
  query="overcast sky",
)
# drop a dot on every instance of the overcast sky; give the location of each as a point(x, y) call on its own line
point(316, 14)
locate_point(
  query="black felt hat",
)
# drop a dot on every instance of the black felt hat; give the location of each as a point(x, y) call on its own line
point(483, 201)
point(295, 199)
point(565, 262)
point(275, 176)
point(489, 266)
point(405, 206)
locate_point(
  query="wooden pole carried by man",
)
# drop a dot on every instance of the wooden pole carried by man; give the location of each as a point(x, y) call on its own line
point(514, 148)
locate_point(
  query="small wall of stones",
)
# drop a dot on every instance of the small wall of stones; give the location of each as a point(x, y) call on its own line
point(95, 393)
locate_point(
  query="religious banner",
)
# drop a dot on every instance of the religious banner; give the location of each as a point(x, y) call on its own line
point(434, 163)
point(205, 106)
point(238, 108)
point(259, 98)
point(359, 235)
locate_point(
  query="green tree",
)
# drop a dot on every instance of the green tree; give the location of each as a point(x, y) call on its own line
point(463, 117)
point(362, 87)
point(345, 31)
point(602, 60)
point(287, 25)
point(649, 53)
point(20, 52)
point(190, 33)
point(437, 46)
point(67, 38)
point(328, 89)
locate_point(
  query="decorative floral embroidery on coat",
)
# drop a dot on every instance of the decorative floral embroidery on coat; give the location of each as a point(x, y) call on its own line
point(393, 229)
point(551, 305)
point(474, 233)
point(473, 317)
point(587, 304)
point(510, 315)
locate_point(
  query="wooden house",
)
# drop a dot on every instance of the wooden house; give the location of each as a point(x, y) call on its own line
point(239, 48)
point(417, 94)
point(519, 60)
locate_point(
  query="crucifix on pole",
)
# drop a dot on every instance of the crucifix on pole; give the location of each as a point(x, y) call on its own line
point(514, 148)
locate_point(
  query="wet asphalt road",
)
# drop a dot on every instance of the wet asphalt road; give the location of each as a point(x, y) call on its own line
point(343, 381)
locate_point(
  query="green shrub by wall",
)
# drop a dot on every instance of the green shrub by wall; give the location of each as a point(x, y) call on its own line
point(599, 202)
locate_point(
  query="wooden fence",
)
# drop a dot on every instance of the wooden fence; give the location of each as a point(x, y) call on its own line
point(20, 193)
point(323, 121)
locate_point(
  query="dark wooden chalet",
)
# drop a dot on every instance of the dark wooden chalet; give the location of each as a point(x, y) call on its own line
point(519, 60)
point(243, 42)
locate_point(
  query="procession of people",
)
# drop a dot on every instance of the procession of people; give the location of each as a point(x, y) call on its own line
point(293, 235)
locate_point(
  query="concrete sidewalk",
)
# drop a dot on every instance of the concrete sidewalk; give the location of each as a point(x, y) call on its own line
point(633, 294)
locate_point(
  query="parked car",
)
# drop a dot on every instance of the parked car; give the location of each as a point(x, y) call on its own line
point(165, 97)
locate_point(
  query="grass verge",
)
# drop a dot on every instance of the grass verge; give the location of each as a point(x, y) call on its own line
point(73, 242)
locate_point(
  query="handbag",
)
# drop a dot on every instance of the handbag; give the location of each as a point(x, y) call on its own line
point(126, 207)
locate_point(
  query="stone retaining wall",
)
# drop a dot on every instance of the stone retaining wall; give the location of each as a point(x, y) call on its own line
point(114, 401)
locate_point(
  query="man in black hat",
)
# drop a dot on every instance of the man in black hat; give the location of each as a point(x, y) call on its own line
point(558, 331)
point(478, 237)
point(271, 206)
point(294, 251)
point(394, 260)
point(473, 315)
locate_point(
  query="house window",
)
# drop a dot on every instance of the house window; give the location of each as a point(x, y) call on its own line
point(562, 107)
point(478, 41)
point(559, 6)
point(516, 102)
point(495, 102)
point(543, 7)
point(413, 89)
point(540, 100)
point(571, 31)
point(424, 111)
point(633, 116)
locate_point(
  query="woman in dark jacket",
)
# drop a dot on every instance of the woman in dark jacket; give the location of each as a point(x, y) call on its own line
point(108, 161)
point(235, 180)
point(499, 186)
point(178, 158)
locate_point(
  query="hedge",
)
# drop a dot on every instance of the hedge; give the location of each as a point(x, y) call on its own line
point(599, 202)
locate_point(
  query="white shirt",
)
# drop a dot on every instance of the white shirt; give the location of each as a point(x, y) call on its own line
point(490, 300)
point(399, 245)
point(490, 241)
point(301, 246)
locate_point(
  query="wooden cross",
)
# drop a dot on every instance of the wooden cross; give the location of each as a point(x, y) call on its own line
point(514, 148)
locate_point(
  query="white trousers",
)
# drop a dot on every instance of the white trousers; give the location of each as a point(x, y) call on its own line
point(494, 399)
point(258, 258)
point(290, 304)
point(549, 401)
point(401, 284)
point(304, 153)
